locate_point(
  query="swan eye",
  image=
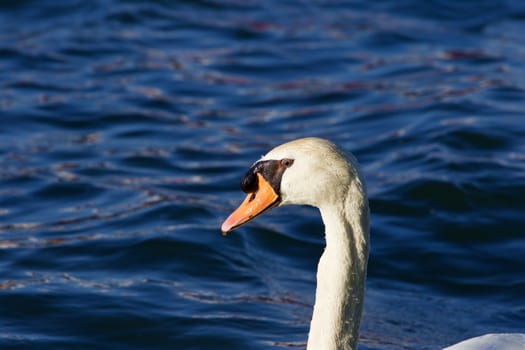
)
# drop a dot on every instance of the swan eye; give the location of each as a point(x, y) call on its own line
point(286, 162)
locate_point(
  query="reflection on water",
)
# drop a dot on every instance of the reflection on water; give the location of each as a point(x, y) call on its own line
point(128, 124)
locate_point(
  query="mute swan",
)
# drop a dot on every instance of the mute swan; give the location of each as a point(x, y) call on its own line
point(315, 172)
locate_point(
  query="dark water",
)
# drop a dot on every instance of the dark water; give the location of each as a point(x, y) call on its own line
point(126, 126)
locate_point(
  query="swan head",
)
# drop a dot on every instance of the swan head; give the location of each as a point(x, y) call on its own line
point(308, 171)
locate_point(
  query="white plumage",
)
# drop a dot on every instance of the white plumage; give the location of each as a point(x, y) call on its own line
point(324, 176)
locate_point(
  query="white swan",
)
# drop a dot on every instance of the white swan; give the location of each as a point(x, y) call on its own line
point(315, 172)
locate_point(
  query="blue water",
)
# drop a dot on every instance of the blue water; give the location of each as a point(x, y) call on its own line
point(127, 125)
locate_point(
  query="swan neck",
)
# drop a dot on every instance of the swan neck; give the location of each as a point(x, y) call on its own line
point(341, 274)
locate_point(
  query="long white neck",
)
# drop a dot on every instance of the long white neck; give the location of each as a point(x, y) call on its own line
point(341, 273)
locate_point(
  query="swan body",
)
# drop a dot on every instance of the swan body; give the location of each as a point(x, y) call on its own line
point(315, 172)
point(492, 342)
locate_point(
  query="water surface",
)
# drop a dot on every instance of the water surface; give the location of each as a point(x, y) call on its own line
point(126, 126)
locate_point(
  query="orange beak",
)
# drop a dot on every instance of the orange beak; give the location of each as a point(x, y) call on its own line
point(254, 204)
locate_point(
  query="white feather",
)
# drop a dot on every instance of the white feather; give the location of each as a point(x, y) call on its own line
point(326, 177)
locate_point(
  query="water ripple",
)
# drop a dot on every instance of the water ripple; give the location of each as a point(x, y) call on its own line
point(127, 125)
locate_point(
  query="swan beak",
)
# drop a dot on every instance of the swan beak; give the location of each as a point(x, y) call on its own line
point(254, 204)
